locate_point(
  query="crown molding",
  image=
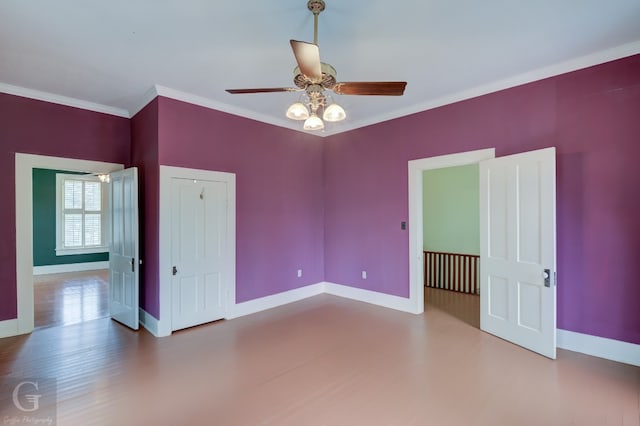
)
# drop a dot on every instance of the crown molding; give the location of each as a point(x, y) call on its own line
point(62, 100)
point(575, 64)
point(560, 68)
point(190, 98)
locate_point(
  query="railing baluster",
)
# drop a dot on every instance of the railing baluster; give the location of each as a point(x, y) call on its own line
point(452, 271)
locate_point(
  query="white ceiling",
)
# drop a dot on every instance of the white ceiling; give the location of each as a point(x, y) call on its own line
point(113, 55)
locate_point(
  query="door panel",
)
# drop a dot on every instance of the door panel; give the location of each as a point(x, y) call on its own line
point(123, 247)
point(517, 244)
point(199, 241)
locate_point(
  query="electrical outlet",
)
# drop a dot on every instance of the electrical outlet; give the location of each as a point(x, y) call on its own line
point(364, 275)
point(299, 273)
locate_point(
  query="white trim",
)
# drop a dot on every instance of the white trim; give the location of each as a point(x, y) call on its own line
point(166, 174)
point(70, 267)
point(574, 64)
point(9, 328)
point(190, 98)
point(81, 251)
point(416, 168)
point(610, 349)
point(560, 68)
point(150, 323)
point(274, 300)
point(25, 163)
point(62, 100)
point(614, 350)
point(375, 298)
point(146, 99)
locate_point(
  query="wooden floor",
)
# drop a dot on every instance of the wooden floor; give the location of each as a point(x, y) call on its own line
point(321, 361)
point(70, 298)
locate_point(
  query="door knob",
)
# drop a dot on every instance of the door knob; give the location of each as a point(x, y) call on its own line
point(174, 270)
point(547, 277)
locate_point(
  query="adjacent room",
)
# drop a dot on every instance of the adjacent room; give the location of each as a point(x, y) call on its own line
point(206, 223)
point(70, 247)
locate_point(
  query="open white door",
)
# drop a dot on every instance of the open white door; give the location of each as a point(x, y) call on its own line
point(518, 249)
point(123, 247)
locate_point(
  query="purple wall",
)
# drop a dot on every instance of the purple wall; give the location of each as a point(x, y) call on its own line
point(279, 192)
point(333, 206)
point(144, 155)
point(590, 115)
point(35, 127)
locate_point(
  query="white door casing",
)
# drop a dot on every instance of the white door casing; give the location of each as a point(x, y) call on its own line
point(416, 243)
point(517, 245)
point(24, 165)
point(124, 247)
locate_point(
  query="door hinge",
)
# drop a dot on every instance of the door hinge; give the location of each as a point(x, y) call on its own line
point(133, 264)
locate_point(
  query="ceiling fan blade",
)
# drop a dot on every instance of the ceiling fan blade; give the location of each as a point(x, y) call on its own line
point(381, 88)
point(308, 58)
point(263, 90)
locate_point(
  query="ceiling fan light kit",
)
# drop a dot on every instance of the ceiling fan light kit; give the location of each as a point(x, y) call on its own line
point(297, 111)
point(313, 77)
point(313, 123)
point(333, 113)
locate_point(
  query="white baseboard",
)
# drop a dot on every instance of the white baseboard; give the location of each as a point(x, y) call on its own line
point(381, 299)
point(70, 267)
point(614, 350)
point(150, 323)
point(275, 300)
point(9, 328)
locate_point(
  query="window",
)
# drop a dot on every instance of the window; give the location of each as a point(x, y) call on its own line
point(81, 215)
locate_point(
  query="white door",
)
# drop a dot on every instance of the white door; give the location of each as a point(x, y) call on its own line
point(123, 247)
point(518, 249)
point(199, 242)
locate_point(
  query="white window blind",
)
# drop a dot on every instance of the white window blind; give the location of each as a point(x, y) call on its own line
point(81, 212)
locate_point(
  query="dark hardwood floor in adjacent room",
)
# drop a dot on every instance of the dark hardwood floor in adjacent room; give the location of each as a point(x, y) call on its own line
point(70, 298)
point(320, 361)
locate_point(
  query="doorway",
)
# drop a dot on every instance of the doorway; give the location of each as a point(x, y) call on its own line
point(25, 163)
point(517, 243)
point(451, 226)
point(70, 247)
point(416, 194)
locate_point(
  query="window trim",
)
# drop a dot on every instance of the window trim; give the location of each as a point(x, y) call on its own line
point(66, 251)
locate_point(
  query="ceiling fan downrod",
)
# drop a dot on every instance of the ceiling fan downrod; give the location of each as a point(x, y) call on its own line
point(315, 6)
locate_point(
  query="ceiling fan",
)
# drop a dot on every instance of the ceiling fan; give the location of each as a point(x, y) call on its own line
point(314, 77)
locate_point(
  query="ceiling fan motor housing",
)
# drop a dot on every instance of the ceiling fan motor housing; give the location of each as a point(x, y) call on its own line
point(328, 77)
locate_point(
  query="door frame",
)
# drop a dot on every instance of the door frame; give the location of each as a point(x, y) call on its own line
point(416, 236)
point(167, 173)
point(24, 165)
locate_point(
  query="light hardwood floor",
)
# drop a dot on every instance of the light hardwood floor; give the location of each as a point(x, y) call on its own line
point(320, 361)
point(70, 298)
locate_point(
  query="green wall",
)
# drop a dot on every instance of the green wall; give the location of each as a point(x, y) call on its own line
point(44, 223)
point(451, 209)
